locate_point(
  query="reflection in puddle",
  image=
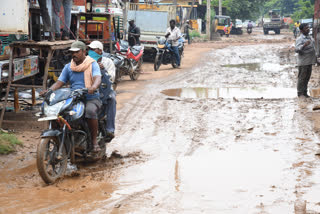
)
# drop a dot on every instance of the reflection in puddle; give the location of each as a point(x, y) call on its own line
point(248, 66)
point(269, 93)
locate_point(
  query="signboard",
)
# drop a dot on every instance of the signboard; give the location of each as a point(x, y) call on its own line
point(14, 16)
point(22, 68)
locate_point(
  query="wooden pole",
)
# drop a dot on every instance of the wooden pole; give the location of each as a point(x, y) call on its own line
point(208, 29)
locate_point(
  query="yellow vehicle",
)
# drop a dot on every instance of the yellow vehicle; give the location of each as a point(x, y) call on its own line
point(223, 25)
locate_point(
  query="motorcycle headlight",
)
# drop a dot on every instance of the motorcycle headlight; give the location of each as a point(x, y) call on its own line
point(53, 110)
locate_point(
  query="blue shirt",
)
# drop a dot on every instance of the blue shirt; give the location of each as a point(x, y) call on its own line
point(76, 79)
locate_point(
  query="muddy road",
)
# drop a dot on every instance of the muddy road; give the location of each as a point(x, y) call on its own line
point(225, 134)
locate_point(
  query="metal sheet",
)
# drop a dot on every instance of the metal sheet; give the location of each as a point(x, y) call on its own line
point(150, 21)
point(14, 16)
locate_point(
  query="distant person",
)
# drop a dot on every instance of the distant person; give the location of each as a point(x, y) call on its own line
point(187, 28)
point(296, 29)
point(305, 47)
point(67, 5)
point(173, 35)
point(250, 26)
point(133, 34)
point(47, 27)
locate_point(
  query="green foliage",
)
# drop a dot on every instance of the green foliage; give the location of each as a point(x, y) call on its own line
point(8, 143)
point(194, 34)
point(304, 10)
point(252, 9)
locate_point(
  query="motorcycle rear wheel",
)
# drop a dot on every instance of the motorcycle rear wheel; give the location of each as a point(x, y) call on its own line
point(50, 169)
point(157, 63)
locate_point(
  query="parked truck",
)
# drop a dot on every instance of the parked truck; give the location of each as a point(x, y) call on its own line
point(152, 24)
point(274, 24)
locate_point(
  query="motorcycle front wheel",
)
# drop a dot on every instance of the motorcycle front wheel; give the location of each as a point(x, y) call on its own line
point(134, 75)
point(49, 167)
point(173, 62)
point(157, 63)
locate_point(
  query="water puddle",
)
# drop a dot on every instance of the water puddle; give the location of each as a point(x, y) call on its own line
point(267, 93)
point(248, 66)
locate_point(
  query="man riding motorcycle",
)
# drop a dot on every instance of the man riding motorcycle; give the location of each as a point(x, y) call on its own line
point(249, 27)
point(83, 72)
point(173, 35)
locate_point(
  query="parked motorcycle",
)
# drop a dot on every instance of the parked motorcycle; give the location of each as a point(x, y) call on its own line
point(119, 63)
point(133, 59)
point(165, 55)
point(68, 137)
point(249, 30)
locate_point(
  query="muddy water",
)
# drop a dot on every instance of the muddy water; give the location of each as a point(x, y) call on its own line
point(269, 93)
point(197, 153)
point(208, 153)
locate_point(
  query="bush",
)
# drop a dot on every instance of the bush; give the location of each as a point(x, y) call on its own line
point(194, 34)
point(8, 143)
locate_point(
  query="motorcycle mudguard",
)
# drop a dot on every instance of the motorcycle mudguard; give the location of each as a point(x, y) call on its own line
point(50, 133)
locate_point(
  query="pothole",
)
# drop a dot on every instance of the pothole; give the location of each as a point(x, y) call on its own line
point(236, 92)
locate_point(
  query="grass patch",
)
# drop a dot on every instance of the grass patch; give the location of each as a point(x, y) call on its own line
point(194, 34)
point(8, 143)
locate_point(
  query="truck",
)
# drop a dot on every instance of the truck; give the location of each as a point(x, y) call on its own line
point(153, 23)
point(274, 24)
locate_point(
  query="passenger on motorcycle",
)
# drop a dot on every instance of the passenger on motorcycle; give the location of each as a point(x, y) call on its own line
point(108, 95)
point(173, 35)
point(83, 72)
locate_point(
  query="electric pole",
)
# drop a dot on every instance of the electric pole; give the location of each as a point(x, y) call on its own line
point(220, 7)
point(208, 29)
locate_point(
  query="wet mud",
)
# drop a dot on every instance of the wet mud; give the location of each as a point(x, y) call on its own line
point(225, 135)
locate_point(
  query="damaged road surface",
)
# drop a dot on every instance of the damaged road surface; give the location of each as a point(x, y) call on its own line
point(227, 136)
point(220, 139)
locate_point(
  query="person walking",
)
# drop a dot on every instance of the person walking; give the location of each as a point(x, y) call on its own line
point(173, 35)
point(305, 47)
point(67, 6)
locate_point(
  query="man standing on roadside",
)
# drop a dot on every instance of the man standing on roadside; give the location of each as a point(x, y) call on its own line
point(67, 6)
point(305, 47)
point(133, 34)
point(173, 35)
point(186, 31)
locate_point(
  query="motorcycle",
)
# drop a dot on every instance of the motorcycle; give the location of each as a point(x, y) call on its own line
point(165, 55)
point(249, 30)
point(133, 59)
point(68, 137)
point(119, 63)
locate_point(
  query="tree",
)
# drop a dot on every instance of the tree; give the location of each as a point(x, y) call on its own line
point(304, 10)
